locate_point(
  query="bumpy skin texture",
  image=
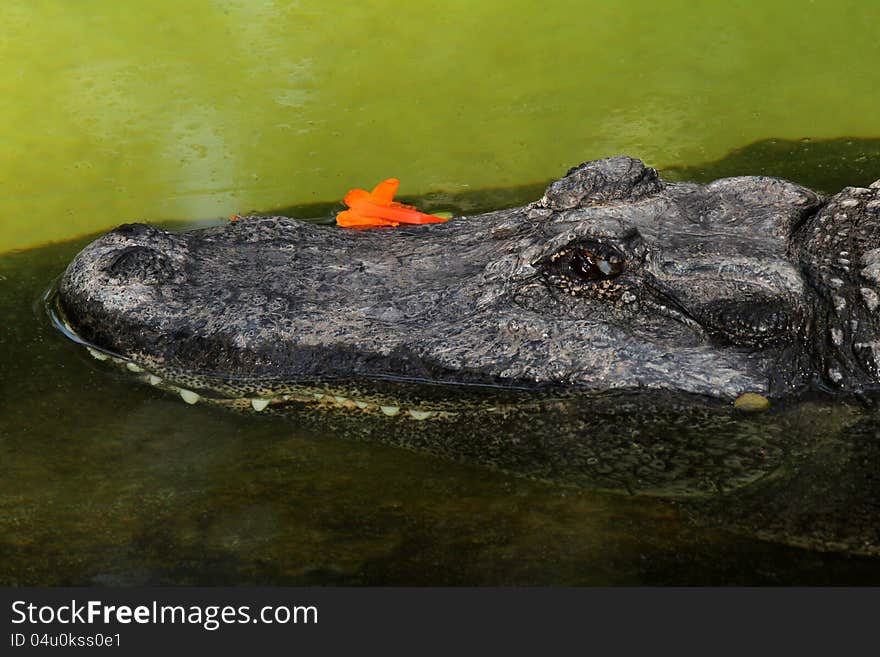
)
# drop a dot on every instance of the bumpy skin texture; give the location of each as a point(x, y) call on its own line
point(748, 284)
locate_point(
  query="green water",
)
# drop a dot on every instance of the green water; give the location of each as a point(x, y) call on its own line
point(201, 108)
point(195, 110)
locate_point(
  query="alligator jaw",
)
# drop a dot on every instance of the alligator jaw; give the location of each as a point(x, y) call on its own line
point(358, 398)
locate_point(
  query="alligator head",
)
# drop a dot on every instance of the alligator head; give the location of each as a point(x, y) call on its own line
point(615, 279)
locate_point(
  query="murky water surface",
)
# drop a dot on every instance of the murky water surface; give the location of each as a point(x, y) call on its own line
point(117, 112)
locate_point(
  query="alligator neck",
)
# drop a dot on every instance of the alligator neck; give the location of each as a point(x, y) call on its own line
point(840, 247)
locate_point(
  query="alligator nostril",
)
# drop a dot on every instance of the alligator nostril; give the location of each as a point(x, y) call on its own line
point(141, 264)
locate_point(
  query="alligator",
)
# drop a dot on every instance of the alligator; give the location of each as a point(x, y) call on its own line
point(545, 339)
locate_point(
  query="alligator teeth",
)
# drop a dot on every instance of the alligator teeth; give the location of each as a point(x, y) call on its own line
point(420, 415)
point(340, 400)
point(189, 396)
point(97, 354)
point(133, 367)
point(361, 404)
point(318, 395)
point(154, 380)
point(390, 411)
point(259, 404)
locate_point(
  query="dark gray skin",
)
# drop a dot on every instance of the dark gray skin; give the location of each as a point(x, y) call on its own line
point(613, 280)
point(552, 314)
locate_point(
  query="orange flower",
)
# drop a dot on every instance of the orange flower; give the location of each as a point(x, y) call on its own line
point(378, 208)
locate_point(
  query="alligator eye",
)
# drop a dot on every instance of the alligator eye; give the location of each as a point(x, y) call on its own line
point(588, 265)
point(586, 268)
point(585, 262)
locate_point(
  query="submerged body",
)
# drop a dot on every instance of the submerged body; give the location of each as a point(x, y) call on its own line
point(614, 282)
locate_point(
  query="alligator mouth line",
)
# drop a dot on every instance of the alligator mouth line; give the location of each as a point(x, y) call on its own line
point(318, 396)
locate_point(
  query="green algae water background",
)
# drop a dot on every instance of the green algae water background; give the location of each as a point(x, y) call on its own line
point(196, 109)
